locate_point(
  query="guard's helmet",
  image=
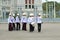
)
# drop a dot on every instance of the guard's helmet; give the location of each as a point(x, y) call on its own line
point(31, 14)
point(39, 14)
point(10, 14)
point(24, 14)
point(17, 14)
point(13, 14)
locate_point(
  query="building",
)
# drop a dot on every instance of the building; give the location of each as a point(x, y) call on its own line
point(7, 6)
point(19, 6)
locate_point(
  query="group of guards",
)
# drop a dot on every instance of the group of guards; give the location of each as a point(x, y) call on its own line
point(24, 20)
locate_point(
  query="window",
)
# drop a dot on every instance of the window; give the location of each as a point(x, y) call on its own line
point(25, 1)
point(25, 6)
point(32, 1)
point(29, 6)
point(7, 14)
point(32, 6)
point(29, 1)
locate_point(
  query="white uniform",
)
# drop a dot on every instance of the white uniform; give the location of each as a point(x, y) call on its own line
point(39, 20)
point(17, 19)
point(24, 19)
point(10, 19)
point(17, 23)
point(31, 20)
point(13, 19)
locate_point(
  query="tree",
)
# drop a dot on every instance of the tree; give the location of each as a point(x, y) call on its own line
point(57, 5)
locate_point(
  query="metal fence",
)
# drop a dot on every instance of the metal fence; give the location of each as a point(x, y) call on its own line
point(51, 19)
point(43, 19)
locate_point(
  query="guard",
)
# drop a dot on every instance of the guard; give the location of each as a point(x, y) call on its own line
point(31, 21)
point(10, 28)
point(13, 18)
point(39, 21)
point(17, 22)
point(24, 21)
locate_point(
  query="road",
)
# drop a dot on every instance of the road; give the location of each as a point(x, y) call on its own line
point(49, 31)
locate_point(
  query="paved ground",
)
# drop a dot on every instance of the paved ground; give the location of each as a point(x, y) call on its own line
point(50, 31)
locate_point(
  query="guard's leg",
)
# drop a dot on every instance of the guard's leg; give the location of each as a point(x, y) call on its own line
point(13, 26)
point(31, 28)
point(19, 25)
point(39, 27)
point(16, 26)
point(24, 26)
point(10, 27)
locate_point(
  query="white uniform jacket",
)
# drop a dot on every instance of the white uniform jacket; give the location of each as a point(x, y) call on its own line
point(10, 19)
point(39, 20)
point(31, 20)
point(17, 19)
point(13, 19)
point(24, 19)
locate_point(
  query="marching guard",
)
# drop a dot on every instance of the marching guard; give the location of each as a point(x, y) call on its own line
point(17, 22)
point(13, 19)
point(39, 21)
point(24, 21)
point(10, 25)
point(31, 21)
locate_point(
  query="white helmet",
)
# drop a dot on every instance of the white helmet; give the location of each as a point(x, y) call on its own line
point(17, 14)
point(31, 14)
point(39, 14)
point(13, 14)
point(10, 14)
point(24, 14)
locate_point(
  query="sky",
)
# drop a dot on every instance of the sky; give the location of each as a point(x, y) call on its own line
point(50, 0)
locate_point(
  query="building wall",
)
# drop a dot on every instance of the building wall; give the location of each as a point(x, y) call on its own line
point(12, 6)
point(38, 4)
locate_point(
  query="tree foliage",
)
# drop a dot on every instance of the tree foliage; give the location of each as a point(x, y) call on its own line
point(57, 5)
